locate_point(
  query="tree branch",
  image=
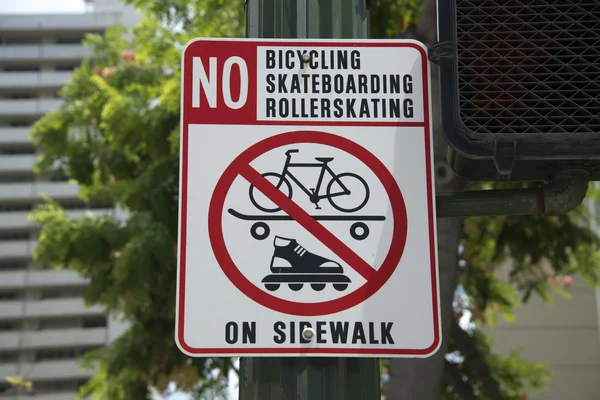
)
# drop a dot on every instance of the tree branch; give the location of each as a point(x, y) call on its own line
point(462, 388)
point(464, 343)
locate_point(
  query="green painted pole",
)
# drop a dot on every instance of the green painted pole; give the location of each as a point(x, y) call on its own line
point(308, 378)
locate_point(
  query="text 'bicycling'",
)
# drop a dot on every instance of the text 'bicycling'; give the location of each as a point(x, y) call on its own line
point(300, 84)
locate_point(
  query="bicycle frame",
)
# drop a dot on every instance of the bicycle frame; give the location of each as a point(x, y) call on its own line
point(324, 168)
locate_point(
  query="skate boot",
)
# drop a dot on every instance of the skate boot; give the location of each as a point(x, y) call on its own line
point(293, 264)
point(291, 258)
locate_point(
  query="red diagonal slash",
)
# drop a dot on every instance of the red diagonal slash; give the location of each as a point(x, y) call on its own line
point(308, 222)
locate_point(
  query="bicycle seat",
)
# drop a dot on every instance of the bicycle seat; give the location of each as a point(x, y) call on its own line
point(324, 159)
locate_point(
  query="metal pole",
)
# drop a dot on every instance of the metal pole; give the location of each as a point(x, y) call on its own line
point(565, 192)
point(308, 378)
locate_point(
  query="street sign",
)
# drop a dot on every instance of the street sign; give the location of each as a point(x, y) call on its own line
point(307, 213)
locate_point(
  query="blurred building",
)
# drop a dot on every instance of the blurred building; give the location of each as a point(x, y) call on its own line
point(44, 324)
point(565, 335)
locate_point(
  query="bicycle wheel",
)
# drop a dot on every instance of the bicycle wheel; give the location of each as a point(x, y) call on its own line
point(262, 202)
point(355, 200)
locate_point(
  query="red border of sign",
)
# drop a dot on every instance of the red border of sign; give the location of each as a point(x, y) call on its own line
point(179, 333)
point(376, 278)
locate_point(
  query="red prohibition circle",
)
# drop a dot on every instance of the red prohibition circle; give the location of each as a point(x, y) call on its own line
point(377, 279)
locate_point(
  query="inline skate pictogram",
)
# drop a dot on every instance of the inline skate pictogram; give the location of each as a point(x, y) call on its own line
point(293, 264)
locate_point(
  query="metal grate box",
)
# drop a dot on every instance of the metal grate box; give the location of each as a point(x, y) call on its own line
point(522, 80)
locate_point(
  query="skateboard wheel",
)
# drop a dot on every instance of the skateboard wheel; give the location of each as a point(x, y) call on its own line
point(340, 286)
point(359, 230)
point(317, 286)
point(271, 287)
point(260, 230)
point(295, 286)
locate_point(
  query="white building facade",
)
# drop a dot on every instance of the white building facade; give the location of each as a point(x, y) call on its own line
point(44, 324)
point(565, 335)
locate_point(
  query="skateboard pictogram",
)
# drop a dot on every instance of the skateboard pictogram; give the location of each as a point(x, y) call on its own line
point(260, 230)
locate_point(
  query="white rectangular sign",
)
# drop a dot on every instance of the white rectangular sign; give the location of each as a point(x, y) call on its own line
point(307, 213)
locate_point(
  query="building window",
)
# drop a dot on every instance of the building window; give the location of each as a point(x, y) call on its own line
point(58, 386)
point(14, 236)
point(61, 354)
point(20, 40)
point(11, 295)
point(59, 323)
point(94, 322)
point(66, 67)
point(8, 356)
point(73, 323)
point(15, 207)
point(69, 40)
point(13, 265)
point(20, 96)
point(21, 68)
point(62, 293)
point(21, 124)
point(6, 326)
point(73, 205)
point(18, 150)
point(18, 178)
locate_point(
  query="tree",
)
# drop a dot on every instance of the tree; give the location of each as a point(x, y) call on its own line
point(117, 136)
point(15, 384)
point(543, 251)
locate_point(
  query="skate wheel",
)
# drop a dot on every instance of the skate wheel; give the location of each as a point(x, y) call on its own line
point(359, 230)
point(295, 286)
point(317, 286)
point(271, 287)
point(260, 230)
point(340, 287)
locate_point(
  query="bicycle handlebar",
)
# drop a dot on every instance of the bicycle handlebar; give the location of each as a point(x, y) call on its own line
point(289, 152)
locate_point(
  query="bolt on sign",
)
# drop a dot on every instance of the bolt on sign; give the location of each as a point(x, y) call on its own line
point(306, 215)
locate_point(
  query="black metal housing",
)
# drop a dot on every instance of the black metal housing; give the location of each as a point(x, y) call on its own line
point(520, 86)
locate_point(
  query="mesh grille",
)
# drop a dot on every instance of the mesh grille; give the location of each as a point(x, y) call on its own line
point(529, 66)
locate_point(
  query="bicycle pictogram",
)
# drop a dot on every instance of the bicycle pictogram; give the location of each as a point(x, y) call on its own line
point(291, 263)
point(343, 180)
